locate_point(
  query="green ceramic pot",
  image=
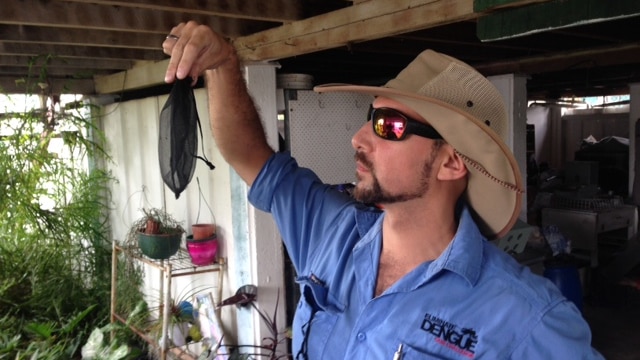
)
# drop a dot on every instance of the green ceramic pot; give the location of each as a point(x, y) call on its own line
point(159, 246)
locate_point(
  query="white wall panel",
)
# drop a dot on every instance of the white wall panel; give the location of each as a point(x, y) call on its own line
point(131, 129)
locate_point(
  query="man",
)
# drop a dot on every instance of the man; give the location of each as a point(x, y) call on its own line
point(417, 279)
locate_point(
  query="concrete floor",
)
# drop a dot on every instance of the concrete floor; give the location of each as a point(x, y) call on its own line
point(615, 332)
point(613, 312)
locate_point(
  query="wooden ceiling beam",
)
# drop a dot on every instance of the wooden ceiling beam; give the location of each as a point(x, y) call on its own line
point(34, 71)
point(86, 37)
point(584, 82)
point(63, 14)
point(62, 62)
point(604, 56)
point(273, 10)
point(364, 21)
point(93, 52)
point(9, 85)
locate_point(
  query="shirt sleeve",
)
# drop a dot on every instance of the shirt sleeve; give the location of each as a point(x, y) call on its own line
point(561, 333)
point(307, 211)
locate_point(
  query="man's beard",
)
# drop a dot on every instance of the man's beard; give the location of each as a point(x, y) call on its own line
point(376, 194)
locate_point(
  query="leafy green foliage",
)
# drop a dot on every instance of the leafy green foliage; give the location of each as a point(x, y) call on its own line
point(98, 347)
point(55, 252)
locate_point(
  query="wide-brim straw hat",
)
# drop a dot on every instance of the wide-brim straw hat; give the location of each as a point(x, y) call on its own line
point(469, 113)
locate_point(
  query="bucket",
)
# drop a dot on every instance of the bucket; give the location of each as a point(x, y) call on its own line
point(567, 278)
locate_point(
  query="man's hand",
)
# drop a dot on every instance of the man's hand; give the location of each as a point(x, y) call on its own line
point(235, 124)
point(194, 48)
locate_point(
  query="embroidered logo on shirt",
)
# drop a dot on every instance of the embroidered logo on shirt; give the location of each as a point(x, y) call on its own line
point(460, 340)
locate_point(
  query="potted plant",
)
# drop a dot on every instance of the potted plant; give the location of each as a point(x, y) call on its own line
point(157, 234)
point(183, 325)
point(269, 348)
point(202, 244)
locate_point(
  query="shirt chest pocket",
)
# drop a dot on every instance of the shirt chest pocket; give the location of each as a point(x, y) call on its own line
point(412, 353)
point(315, 318)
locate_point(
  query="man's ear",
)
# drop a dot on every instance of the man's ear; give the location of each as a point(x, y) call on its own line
point(452, 166)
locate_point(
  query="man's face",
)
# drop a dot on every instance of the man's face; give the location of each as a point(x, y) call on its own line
point(369, 189)
point(392, 171)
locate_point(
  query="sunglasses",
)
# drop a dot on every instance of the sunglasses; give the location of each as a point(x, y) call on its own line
point(393, 125)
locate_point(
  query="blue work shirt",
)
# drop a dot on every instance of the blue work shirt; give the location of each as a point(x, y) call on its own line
point(473, 302)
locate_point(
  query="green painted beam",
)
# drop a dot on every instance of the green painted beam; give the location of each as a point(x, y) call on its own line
point(485, 5)
point(550, 15)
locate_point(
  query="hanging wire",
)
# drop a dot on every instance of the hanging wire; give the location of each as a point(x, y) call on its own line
point(202, 199)
point(143, 201)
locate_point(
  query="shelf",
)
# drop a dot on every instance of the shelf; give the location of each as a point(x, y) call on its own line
point(176, 266)
point(180, 262)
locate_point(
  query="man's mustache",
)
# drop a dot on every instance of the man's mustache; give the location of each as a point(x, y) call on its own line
point(359, 156)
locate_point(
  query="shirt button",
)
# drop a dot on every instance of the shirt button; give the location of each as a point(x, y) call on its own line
point(361, 336)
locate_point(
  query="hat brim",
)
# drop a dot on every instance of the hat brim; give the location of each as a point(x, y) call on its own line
point(497, 206)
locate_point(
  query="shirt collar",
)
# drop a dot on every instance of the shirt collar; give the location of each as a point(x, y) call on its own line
point(366, 220)
point(464, 254)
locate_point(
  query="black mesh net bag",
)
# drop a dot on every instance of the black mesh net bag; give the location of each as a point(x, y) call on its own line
point(178, 143)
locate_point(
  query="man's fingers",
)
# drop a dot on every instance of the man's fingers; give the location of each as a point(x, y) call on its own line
point(169, 47)
point(190, 52)
point(193, 48)
point(172, 68)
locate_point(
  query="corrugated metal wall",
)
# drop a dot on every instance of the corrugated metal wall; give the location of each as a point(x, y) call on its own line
point(248, 238)
point(131, 129)
point(132, 132)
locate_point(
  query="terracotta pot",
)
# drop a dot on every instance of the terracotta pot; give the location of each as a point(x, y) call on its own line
point(203, 231)
point(153, 227)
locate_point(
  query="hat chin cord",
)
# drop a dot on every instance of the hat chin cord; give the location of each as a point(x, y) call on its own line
point(486, 173)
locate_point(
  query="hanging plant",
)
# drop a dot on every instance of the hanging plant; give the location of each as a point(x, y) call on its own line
point(156, 234)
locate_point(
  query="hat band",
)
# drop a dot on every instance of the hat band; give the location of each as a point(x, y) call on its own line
point(486, 173)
